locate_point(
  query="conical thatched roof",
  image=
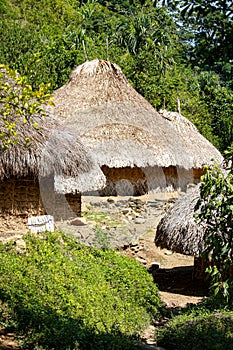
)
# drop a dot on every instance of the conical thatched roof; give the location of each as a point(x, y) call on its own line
point(52, 149)
point(121, 127)
point(178, 230)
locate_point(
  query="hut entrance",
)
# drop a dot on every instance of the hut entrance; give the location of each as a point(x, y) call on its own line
point(171, 176)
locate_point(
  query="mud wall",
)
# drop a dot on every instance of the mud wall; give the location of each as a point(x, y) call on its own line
point(138, 181)
point(21, 198)
point(124, 181)
point(62, 207)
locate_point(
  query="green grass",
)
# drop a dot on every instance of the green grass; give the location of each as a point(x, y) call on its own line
point(102, 217)
point(58, 294)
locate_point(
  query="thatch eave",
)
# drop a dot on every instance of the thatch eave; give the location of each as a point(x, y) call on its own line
point(52, 150)
point(98, 95)
point(178, 230)
point(122, 144)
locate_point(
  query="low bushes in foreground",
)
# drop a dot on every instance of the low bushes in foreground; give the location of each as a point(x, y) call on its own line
point(63, 295)
point(204, 326)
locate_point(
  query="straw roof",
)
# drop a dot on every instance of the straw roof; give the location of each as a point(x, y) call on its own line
point(52, 150)
point(113, 119)
point(178, 230)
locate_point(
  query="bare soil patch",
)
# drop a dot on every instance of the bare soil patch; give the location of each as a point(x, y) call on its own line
point(174, 276)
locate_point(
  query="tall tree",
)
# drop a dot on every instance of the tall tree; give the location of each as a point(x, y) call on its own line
point(210, 25)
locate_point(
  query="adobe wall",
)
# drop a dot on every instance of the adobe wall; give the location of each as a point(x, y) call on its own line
point(21, 198)
point(124, 181)
point(62, 207)
point(138, 181)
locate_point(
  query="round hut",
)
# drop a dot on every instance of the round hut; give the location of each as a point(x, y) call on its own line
point(179, 232)
point(44, 176)
point(139, 150)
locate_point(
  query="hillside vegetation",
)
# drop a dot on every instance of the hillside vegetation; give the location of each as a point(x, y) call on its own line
point(59, 294)
point(167, 54)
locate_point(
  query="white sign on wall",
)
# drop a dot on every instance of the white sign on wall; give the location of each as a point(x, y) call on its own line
point(41, 223)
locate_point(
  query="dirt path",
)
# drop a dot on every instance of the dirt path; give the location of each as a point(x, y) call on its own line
point(130, 225)
point(174, 276)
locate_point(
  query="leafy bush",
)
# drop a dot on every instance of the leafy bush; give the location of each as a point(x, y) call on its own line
point(67, 294)
point(216, 213)
point(19, 104)
point(209, 331)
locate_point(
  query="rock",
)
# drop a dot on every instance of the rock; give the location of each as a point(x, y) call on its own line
point(20, 245)
point(110, 200)
point(156, 212)
point(134, 243)
point(78, 222)
point(95, 204)
point(121, 203)
point(168, 252)
point(148, 340)
point(142, 255)
point(140, 220)
point(126, 211)
point(135, 249)
point(142, 261)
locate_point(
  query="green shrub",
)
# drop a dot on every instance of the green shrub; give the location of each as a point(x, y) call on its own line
point(209, 331)
point(216, 214)
point(66, 294)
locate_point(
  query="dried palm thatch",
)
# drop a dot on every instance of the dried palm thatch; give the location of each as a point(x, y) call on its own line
point(178, 230)
point(123, 145)
point(52, 150)
point(121, 127)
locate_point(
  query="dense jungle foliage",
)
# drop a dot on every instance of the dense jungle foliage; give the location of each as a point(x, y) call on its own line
point(169, 50)
point(57, 294)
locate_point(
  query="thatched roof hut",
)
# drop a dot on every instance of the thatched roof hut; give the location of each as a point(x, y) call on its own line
point(124, 130)
point(45, 177)
point(178, 230)
point(53, 167)
point(52, 150)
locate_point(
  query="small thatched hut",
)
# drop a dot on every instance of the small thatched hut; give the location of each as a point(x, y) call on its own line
point(45, 176)
point(138, 149)
point(179, 232)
